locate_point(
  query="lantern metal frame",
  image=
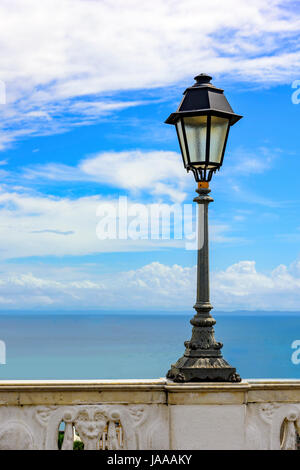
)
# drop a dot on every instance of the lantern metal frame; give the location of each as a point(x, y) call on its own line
point(203, 99)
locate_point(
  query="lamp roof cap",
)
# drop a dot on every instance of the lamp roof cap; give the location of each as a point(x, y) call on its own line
point(203, 98)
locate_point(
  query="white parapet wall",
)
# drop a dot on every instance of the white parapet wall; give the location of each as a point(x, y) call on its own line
point(149, 414)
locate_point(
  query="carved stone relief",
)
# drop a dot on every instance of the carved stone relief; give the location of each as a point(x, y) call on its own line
point(96, 426)
point(272, 426)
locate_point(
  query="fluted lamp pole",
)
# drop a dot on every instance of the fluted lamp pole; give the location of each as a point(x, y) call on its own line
point(202, 121)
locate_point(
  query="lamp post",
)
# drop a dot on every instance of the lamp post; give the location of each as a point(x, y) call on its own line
point(202, 121)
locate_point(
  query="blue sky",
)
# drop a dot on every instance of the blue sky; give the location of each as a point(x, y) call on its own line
point(83, 123)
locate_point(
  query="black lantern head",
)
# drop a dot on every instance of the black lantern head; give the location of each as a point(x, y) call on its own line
point(202, 122)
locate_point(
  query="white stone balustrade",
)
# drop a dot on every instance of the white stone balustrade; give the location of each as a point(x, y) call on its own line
point(150, 414)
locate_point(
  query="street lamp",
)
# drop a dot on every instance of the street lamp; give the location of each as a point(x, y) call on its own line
point(202, 121)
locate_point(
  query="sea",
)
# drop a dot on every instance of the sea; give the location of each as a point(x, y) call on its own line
point(109, 345)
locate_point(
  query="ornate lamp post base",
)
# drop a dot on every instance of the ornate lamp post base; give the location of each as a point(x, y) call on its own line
point(202, 360)
point(202, 369)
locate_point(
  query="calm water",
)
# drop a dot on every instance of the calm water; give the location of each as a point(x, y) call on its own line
point(135, 346)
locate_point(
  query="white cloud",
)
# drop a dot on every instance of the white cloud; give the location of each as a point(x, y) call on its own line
point(40, 225)
point(242, 163)
point(55, 51)
point(157, 172)
point(134, 170)
point(240, 286)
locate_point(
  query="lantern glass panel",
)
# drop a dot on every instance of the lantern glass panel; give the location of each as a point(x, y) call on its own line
point(196, 131)
point(181, 141)
point(218, 131)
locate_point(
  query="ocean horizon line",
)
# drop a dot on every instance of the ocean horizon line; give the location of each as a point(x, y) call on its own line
point(132, 312)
